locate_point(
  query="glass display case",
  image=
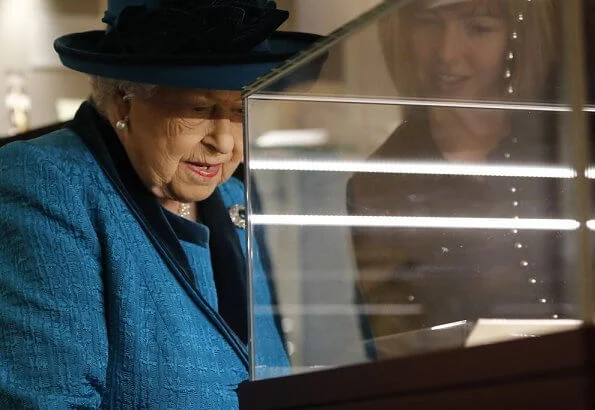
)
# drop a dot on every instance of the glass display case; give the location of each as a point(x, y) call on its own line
point(420, 180)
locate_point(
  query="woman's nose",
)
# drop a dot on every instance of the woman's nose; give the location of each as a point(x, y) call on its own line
point(221, 138)
point(450, 44)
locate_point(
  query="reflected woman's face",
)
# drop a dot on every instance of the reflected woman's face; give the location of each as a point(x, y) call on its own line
point(459, 50)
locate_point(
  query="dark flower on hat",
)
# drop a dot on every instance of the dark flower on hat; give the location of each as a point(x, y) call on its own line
point(185, 27)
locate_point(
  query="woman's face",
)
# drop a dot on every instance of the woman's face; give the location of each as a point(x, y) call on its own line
point(459, 50)
point(183, 143)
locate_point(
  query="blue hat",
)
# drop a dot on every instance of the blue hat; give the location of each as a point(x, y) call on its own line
point(209, 44)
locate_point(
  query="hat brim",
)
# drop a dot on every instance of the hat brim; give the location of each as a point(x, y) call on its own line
point(81, 52)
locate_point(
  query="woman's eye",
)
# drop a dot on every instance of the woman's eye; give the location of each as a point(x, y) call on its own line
point(480, 28)
point(201, 109)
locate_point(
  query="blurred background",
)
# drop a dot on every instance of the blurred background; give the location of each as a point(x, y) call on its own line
point(37, 91)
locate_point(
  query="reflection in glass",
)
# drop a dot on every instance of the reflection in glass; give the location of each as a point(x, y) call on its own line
point(470, 50)
point(442, 189)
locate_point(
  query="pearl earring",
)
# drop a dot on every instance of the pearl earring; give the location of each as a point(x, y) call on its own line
point(121, 124)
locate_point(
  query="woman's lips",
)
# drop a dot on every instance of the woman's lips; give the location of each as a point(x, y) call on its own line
point(205, 170)
point(450, 83)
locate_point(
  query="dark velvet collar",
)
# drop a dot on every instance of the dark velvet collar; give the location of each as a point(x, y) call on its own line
point(227, 258)
point(228, 262)
point(188, 231)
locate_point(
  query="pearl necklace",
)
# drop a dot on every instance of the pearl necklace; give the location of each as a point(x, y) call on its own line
point(184, 210)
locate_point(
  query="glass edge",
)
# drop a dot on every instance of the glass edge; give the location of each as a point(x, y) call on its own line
point(320, 47)
point(249, 245)
point(418, 102)
point(575, 50)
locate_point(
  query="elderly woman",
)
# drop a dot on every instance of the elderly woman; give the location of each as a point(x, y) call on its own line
point(471, 50)
point(122, 266)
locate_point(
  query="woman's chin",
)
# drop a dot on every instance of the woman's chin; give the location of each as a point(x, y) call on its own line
point(185, 192)
point(199, 194)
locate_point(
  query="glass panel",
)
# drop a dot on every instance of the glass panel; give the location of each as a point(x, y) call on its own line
point(425, 178)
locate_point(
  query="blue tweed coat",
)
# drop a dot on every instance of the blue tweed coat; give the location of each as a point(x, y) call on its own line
point(106, 299)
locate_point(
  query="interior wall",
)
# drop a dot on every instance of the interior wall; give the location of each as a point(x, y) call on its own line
point(26, 47)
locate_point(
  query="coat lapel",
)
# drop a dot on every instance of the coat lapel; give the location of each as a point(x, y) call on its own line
point(98, 134)
point(227, 260)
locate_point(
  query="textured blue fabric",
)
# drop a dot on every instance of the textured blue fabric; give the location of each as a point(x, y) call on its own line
point(90, 314)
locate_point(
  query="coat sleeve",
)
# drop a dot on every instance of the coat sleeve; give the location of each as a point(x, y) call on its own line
point(53, 339)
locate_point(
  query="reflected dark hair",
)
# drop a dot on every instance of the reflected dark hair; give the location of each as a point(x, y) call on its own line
point(535, 50)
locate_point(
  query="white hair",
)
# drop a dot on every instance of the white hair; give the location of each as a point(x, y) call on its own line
point(104, 90)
